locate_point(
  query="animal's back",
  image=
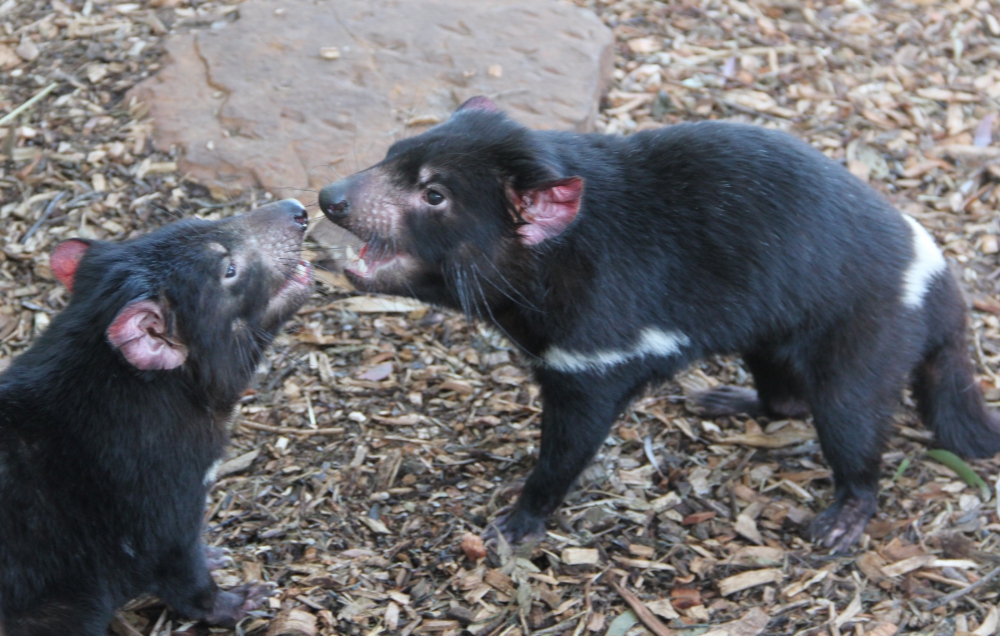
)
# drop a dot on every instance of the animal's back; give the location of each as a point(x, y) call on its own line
point(737, 225)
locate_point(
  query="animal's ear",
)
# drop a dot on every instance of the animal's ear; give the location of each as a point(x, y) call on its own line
point(65, 259)
point(479, 102)
point(549, 209)
point(140, 333)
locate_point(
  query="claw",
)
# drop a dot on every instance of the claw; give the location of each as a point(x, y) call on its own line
point(217, 558)
point(234, 605)
point(727, 400)
point(842, 524)
point(516, 526)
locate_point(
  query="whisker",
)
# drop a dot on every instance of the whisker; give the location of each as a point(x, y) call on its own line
point(495, 323)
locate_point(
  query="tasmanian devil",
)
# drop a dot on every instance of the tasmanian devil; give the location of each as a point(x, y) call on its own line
point(613, 262)
point(111, 423)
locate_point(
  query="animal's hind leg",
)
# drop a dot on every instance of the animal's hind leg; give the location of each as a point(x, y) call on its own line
point(79, 615)
point(853, 386)
point(779, 392)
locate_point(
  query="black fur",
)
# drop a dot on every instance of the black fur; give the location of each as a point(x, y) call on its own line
point(103, 465)
point(734, 238)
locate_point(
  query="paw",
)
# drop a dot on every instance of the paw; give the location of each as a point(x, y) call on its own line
point(841, 525)
point(217, 558)
point(516, 525)
point(234, 605)
point(727, 400)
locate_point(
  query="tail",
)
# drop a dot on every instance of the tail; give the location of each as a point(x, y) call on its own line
point(948, 397)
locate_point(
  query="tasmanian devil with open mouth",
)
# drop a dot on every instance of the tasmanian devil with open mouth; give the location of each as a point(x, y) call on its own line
point(111, 423)
point(613, 262)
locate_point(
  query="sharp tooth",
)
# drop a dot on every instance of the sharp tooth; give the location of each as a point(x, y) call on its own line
point(300, 269)
point(350, 253)
point(362, 266)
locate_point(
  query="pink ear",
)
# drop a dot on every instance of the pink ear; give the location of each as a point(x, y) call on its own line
point(139, 332)
point(479, 102)
point(65, 258)
point(548, 211)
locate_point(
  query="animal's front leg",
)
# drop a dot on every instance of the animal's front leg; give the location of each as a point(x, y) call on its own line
point(578, 413)
point(185, 583)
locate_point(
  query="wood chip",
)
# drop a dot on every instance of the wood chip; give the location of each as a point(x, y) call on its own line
point(293, 622)
point(747, 580)
point(579, 556)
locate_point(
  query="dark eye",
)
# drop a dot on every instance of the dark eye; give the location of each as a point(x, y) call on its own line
point(434, 197)
point(231, 271)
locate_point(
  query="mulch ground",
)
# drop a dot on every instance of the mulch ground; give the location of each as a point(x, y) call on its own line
point(382, 433)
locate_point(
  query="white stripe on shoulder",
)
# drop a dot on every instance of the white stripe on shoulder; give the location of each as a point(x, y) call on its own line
point(652, 342)
point(210, 475)
point(926, 264)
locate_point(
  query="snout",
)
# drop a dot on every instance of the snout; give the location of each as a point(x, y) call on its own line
point(333, 201)
point(294, 210)
point(287, 214)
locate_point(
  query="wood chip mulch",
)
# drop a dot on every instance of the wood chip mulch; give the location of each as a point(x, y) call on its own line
point(382, 435)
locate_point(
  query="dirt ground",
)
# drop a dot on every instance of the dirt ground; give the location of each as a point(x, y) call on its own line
point(380, 433)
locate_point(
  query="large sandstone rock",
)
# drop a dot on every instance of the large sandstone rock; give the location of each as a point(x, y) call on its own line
point(256, 101)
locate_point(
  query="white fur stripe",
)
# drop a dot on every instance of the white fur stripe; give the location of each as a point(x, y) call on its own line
point(652, 342)
point(927, 263)
point(210, 476)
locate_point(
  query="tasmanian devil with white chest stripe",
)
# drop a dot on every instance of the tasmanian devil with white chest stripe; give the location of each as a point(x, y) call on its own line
point(613, 262)
point(112, 421)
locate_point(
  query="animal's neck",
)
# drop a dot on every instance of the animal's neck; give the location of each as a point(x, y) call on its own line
point(74, 379)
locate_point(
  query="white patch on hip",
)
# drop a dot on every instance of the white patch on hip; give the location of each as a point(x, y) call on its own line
point(927, 263)
point(212, 473)
point(652, 342)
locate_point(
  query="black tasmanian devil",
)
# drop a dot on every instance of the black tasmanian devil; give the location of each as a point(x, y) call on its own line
point(112, 421)
point(613, 262)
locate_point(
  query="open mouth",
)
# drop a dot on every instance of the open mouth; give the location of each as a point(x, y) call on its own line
point(368, 260)
point(300, 277)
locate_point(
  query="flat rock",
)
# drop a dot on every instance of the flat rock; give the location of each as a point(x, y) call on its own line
point(296, 93)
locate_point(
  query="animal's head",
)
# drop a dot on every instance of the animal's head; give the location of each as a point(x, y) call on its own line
point(447, 211)
point(202, 297)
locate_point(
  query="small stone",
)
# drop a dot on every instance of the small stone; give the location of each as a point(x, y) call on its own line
point(989, 244)
point(356, 416)
point(495, 70)
point(8, 58)
point(329, 53)
point(27, 50)
point(993, 25)
point(99, 183)
point(645, 46)
point(96, 72)
point(292, 390)
point(472, 546)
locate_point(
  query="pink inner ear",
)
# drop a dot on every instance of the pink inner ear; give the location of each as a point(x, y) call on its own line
point(479, 102)
point(139, 332)
point(549, 210)
point(65, 259)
